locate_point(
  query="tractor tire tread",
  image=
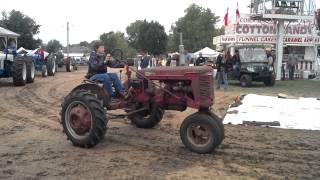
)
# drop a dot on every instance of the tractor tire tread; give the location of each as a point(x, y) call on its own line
point(99, 119)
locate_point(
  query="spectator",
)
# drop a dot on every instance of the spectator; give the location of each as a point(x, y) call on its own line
point(168, 61)
point(188, 58)
point(292, 62)
point(223, 63)
point(144, 61)
point(270, 57)
point(200, 60)
point(236, 63)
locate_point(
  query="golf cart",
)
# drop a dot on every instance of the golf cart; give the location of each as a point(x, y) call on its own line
point(255, 66)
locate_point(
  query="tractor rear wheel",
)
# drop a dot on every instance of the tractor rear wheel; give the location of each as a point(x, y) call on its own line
point(147, 118)
point(19, 72)
point(83, 118)
point(69, 67)
point(201, 133)
point(30, 71)
point(51, 67)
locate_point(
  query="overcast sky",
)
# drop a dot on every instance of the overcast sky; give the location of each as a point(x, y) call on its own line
point(90, 18)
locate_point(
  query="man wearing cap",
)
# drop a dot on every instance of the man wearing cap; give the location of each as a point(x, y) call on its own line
point(270, 57)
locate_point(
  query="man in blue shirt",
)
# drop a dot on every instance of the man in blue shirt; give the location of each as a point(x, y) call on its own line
point(12, 49)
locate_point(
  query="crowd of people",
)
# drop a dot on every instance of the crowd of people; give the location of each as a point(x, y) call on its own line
point(146, 60)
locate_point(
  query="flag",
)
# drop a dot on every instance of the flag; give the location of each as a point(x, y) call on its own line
point(237, 14)
point(226, 18)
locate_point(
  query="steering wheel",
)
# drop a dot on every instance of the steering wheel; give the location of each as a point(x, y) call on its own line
point(117, 54)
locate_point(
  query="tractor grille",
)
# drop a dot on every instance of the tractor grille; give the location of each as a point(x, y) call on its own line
point(206, 90)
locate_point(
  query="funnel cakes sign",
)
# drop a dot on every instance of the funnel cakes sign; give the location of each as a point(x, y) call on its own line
point(264, 32)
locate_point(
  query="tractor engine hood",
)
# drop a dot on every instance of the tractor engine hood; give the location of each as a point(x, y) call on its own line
point(172, 73)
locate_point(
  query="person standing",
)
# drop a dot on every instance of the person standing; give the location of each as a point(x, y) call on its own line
point(200, 60)
point(168, 62)
point(236, 63)
point(188, 58)
point(223, 63)
point(40, 53)
point(270, 57)
point(292, 62)
point(12, 49)
point(144, 61)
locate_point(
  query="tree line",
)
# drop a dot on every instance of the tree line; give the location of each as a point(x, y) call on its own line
point(198, 27)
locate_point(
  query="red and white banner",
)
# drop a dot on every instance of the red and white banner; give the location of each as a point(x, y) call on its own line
point(305, 40)
point(246, 30)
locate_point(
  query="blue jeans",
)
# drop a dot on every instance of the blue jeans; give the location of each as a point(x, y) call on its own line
point(291, 71)
point(222, 76)
point(236, 69)
point(108, 79)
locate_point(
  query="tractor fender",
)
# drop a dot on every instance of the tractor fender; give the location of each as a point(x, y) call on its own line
point(101, 93)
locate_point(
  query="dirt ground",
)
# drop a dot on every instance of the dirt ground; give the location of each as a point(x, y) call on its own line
point(32, 145)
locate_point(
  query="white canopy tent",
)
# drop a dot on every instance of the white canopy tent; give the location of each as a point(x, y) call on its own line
point(22, 50)
point(34, 53)
point(207, 52)
point(6, 34)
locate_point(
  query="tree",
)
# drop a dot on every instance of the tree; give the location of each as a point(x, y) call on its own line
point(53, 46)
point(84, 43)
point(197, 27)
point(147, 36)
point(23, 25)
point(116, 40)
point(152, 37)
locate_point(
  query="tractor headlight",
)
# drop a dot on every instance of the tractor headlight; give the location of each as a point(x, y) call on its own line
point(250, 68)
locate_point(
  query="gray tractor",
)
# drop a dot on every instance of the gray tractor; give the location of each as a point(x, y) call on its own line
point(69, 62)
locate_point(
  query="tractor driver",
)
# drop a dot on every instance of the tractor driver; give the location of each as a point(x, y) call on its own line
point(12, 49)
point(97, 70)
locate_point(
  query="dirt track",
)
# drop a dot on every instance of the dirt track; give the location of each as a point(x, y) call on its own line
point(32, 145)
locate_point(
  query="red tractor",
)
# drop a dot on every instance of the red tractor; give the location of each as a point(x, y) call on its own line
point(154, 90)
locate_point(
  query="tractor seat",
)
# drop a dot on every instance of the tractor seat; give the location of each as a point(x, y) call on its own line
point(88, 79)
point(100, 83)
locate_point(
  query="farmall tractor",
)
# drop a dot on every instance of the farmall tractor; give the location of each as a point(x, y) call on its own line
point(84, 110)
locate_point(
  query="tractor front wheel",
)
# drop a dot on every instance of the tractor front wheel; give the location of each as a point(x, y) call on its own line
point(44, 71)
point(201, 133)
point(69, 67)
point(30, 71)
point(19, 72)
point(147, 118)
point(83, 118)
point(245, 80)
point(51, 67)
